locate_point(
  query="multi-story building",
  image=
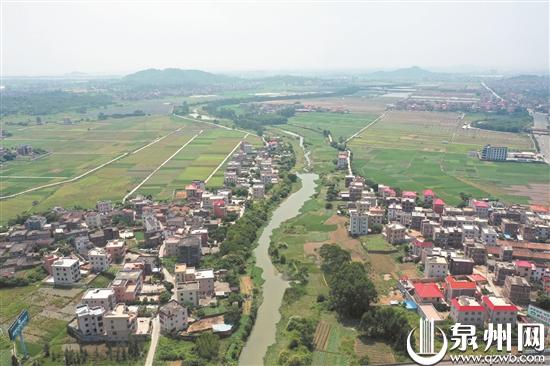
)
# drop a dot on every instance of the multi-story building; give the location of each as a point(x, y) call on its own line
point(103, 297)
point(127, 285)
point(435, 267)
point(65, 271)
point(116, 249)
point(188, 293)
point(476, 251)
point(172, 317)
point(120, 323)
point(459, 286)
point(499, 311)
point(93, 219)
point(488, 236)
point(395, 233)
point(342, 162)
point(90, 320)
point(523, 268)
point(448, 237)
point(258, 191)
point(494, 153)
point(461, 266)
point(100, 259)
point(359, 222)
point(481, 208)
point(466, 310)
point(104, 207)
point(35, 222)
point(517, 290)
point(503, 270)
point(189, 250)
point(428, 196)
point(376, 216)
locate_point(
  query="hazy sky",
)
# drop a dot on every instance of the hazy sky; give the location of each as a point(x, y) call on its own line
point(41, 38)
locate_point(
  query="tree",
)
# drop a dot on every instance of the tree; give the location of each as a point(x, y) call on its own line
point(351, 290)
point(46, 350)
point(233, 315)
point(543, 302)
point(207, 346)
point(386, 323)
point(333, 257)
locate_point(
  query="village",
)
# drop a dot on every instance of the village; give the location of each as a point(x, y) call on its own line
point(152, 252)
point(482, 262)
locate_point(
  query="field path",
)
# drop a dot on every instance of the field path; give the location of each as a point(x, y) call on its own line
point(227, 157)
point(160, 166)
point(157, 140)
point(213, 124)
point(65, 181)
point(364, 128)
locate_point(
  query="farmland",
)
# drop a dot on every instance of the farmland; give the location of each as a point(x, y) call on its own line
point(418, 150)
point(140, 144)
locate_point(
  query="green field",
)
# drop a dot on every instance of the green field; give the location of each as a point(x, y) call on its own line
point(76, 149)
point(341, 126)
point(419, 150)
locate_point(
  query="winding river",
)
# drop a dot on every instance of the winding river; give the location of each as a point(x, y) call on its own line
point(263, 333)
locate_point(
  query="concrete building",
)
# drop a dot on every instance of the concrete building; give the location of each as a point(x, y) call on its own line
point(427, 293)
point(359, 222)
point(100, 259)
point(517, 290)
point(104, 207)
point(376, 216)
point(35, 222)
point(461, 266)
point(66, 271)
point(523, 269)
point(494, 153)
point(93, 220)
point(116, 249)
point(435, 267)
point(395, 233)
point(342, 162)
point(459, 286)
point(499, 310)
point(466, 310)
point(503, 270)
point(103, 297)
point(476, 251)
point(189, 250)
point(172, 317)
point(90, 320)
point(120, 323)
point(258, 191)
point(188, 293)
point(489, 236)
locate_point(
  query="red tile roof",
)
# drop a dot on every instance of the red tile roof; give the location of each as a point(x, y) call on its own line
point(539, 208)
point(525, 264)
point(429, 289)
point(459, 284)
point(439, 201)
point(481, 204)
point(408, 194)
point(456, 304)
point(477, 278)
point(490, 305)
point(428, 192)
point(423, 244)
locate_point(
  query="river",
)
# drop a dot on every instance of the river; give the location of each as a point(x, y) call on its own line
point(263, 333)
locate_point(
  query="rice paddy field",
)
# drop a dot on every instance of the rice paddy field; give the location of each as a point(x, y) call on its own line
point(107, 159)
point(419, 150)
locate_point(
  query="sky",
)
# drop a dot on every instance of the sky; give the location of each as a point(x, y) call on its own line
point(52, 38)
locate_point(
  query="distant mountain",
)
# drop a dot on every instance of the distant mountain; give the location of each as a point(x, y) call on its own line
point(409, 73)
point(177, 77)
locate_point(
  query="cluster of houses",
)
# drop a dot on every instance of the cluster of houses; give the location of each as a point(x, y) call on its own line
point(481, 262)
point(178, 229)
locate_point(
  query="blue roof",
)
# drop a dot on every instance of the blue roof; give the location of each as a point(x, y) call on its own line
point(410, 305)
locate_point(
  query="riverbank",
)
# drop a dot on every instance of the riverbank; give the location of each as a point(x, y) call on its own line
point(263, 332)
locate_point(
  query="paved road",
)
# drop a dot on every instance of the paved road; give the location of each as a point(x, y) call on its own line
point(541, 122)
point(155, 333)
point(491, 91)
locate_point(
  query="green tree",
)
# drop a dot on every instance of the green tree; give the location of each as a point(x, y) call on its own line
point(207, 346)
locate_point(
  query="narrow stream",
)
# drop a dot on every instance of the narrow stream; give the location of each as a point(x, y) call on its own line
point(263, 333)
